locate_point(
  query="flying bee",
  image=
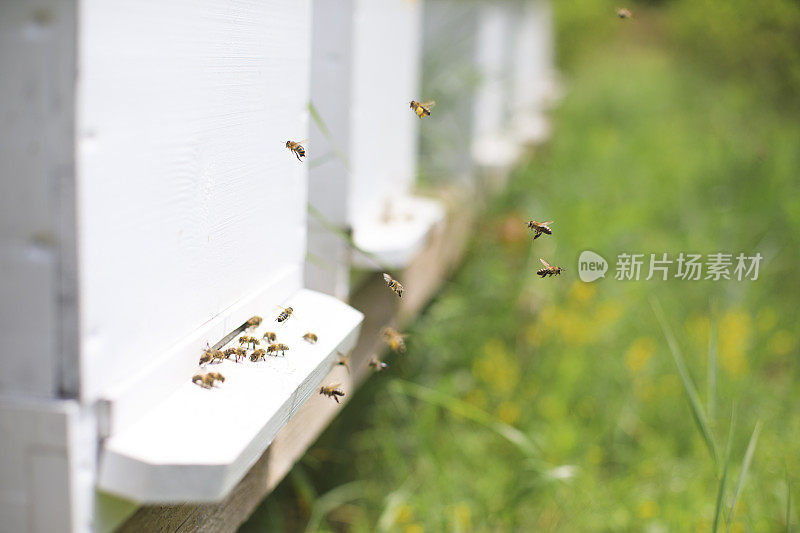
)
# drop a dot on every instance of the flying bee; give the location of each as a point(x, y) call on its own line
point(285, 314)
point(394, 339)
point(258, 354)
point(548, 270)
point(377, 364)
point(311, 338)
point(297, 148)
point(332, 391)
point(244, 340)
point(624, 13)
point(393, 284)
point(270, 336)
point(422, 109)
point(253, 322)
point(344, 360)
point(540, 228)
point(199, 379)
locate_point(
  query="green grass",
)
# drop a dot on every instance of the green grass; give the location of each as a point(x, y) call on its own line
point(529, 404)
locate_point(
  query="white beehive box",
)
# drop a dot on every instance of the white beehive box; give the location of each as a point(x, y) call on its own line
point(170, 216)
point(369, 50)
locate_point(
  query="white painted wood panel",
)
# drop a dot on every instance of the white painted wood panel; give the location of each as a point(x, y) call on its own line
point(450, 77)
point(189, 201)
point(534, 77)
point(38, 350)
point(383, 150)
point(327, 265)
point(493, 143)
point(200, 443)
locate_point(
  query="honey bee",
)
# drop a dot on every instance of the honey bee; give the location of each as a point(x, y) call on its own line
point(393, 284)
point(270, 336)
point(285, 314)
point(208, 380)
point(548, 270)
point(258, 354)
point(206, 357)
point(275, 348)
point(311, 338)
point(624, 13)
point(216, 376)
point(422, 109)
point(540, 228)
point(332, 391)
point(344, 360)
point(297, 148)
point(254, 322)
point(240, 354)
point(377, 364)
point(229, 352)
point(249, 341)
point(394, 339)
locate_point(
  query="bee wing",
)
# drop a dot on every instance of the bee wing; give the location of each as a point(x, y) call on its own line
point(545, 263)
point(429, 103)
point(387, 277)
point(546, 223)
point(334, 386)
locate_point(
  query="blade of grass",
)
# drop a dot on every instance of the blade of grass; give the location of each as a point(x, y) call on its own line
point(333, 499)
point(711, 399)
point(345, 236)
point(724, 478)
point(470, 412)
point(326, 131)
point(688, 386)
point(748, 458)
point(788, 502)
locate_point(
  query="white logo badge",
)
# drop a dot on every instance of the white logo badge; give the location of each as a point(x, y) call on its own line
point(591, 266)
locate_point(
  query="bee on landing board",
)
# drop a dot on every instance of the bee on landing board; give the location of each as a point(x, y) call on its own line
point(548, 270)
point(211, 356)
point(311, 338)
point(393, 284)
point(624, 13)
point(254, 322)
point(239, 354)
point(258, 354)
point(540, 228)
point(207, 381)
point(376, 364)
point(297, 148)
point(274, 348)
point(249, 341)
point(285, 314)
point(394, 339)
point(422, 109)
point(332, 391)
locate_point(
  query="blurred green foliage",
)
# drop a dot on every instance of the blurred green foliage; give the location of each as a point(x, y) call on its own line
point(526, 404)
